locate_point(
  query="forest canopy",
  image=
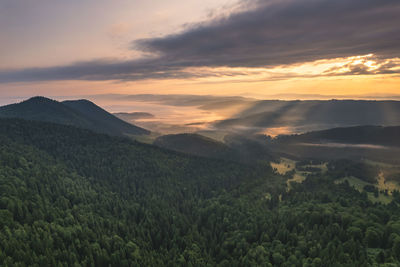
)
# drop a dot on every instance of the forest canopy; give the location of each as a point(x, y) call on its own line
point(73, 197)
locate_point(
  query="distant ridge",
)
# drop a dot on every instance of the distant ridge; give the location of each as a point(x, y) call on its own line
point(377, 143)
point(79, 113)
point(374, 135)
point(312, 115)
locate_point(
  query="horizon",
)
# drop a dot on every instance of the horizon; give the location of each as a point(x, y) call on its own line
point(295, 97)
point(209, 115)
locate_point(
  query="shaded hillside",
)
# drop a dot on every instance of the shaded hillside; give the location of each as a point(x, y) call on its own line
point(44, 109)
point(80, 113)
point(234, 148)
point(195, 144)
point(104, 121)
point(252, 148)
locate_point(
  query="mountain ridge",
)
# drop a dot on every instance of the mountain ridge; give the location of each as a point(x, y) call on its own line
point(80, 113)
point(364, 134)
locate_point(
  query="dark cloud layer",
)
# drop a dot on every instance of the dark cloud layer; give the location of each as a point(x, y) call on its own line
point(279, 32)
point(269, 33)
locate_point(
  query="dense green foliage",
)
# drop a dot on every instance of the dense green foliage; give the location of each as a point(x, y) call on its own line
point(195, 144)
point(346, 168)
point(72, 197)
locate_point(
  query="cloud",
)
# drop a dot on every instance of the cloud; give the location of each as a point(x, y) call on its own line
point(279, 32)
point(259, 33)
point(367, 65)
point(287, 31)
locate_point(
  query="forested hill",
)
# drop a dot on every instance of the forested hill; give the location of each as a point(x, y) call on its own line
point(234, 148)
point(374, 135)
point(75, 198)
point(104, 119)
point(70, 195)
point(196, 144)
point(79, 113)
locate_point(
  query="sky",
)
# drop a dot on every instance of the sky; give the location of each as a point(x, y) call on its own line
point(263, 49)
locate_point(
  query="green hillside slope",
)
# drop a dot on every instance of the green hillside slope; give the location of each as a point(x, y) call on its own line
point(75, 198)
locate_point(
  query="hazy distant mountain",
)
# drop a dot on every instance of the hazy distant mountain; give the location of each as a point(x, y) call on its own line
point(303, 116)
point(373, 135)
point(132, 116)
point(360, 142)
point(79, 113)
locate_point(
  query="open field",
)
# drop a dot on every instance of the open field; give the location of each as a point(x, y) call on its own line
point(297, 177)
point(285, 165)
point(359, 185)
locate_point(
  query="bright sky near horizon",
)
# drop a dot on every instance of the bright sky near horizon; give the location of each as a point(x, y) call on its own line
point(288, 49)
